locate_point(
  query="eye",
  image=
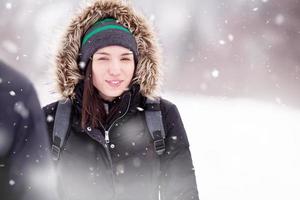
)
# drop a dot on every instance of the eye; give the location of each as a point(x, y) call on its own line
point(102, 58)
point(126, 59)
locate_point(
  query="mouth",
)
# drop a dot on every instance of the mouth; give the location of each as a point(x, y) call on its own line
point(114, 83)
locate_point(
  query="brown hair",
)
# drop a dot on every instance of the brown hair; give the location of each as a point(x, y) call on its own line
point(93, 111)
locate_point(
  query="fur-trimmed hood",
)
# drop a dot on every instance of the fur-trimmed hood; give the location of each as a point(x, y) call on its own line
point(148, 73)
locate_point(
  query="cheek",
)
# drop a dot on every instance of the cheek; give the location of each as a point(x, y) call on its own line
point(97, 74)
point(130, 71)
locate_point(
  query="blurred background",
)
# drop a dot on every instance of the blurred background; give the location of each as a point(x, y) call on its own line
point(232, 67)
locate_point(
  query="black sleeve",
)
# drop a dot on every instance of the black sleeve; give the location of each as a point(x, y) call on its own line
point(32, 172)
point(178, 179)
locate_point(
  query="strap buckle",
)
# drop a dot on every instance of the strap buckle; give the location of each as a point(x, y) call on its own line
point(55, 152)
point(159, 146)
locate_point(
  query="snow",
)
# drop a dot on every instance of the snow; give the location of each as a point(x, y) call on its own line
point(152, 17)
point(82, 65)
point(8, 5)
point(120, 169)
point(12, 93)
point(21, 109)
point(279, 19)
point(12, 182)
point(215, 73)
point(242, 148)
point(230, 37)
point(174, 137)
point(50, 118)
point(10, 46)
point(140, 109)
point(222, 42)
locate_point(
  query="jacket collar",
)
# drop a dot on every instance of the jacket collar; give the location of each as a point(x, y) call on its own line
point(127, 103)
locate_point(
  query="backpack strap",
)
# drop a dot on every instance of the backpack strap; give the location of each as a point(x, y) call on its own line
point(155, 125)
point(61, 126)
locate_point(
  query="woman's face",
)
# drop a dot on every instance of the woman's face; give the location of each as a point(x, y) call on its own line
point(112, 71)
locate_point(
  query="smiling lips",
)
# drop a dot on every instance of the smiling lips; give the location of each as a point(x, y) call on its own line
point(114, 83)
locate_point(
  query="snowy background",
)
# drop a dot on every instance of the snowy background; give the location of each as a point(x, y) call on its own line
point(232, 67)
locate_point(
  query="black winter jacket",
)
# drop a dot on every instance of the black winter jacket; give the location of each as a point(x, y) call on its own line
point(128, 168)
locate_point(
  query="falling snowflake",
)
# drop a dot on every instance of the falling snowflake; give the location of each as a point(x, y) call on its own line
point(0, 80)
point(12, 182)
point(8, 5)
point(215, 73)
point(140, 109)
point(279, 19)
point(82, 65)
point(264, 1)
point(120, 169)
point(21, 109)
point(133, 143)
point(89, 128)
point(10, 46)
point(152, 17)
point(174, 137)
point(255, 9)
point(12, 93)
point(230, 37)
point(112, 146)
point(222, 42)
point(50, 118)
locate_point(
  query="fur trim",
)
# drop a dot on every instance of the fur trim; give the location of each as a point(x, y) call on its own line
point(148, 73)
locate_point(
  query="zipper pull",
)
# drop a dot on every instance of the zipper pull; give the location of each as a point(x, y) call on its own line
point(106, 137)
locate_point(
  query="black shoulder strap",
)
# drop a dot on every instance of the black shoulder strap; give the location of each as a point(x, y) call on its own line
point(155, 125)
point(61, 126)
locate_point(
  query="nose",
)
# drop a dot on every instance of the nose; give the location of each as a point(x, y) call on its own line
point(114, 68)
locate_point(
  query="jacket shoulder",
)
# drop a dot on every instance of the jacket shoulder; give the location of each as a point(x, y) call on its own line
point(166, 105)
point(50, 109)
point(173, 123)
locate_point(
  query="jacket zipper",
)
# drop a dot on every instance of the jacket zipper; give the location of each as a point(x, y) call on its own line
point(106, 131)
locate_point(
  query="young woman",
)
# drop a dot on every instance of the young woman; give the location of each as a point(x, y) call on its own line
point(109, 69)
